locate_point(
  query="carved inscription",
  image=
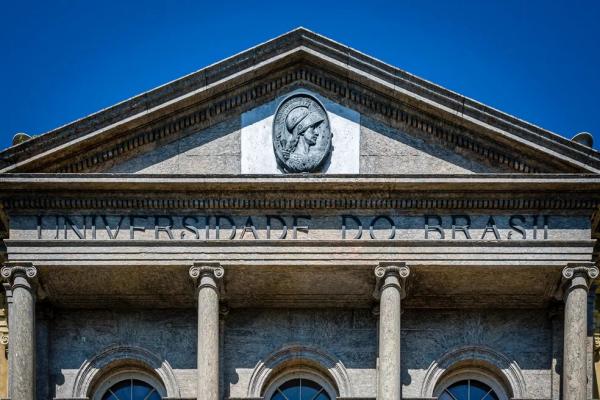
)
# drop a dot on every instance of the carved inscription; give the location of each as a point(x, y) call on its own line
point(294, 227)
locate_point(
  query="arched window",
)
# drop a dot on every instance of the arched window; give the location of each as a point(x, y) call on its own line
point(468, 389)
point(131, 389)
point(300, 389)
point(128, 384)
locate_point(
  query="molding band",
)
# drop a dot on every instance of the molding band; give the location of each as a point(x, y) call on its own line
point(292, 203)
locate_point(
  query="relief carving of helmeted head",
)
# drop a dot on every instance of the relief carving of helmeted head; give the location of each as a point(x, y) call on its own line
point(301, 134)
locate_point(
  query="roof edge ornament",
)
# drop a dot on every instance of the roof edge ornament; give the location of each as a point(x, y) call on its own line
point(19, 138)
point(584, 138)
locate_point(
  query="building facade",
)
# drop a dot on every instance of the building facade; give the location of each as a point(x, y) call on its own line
point(299, 221)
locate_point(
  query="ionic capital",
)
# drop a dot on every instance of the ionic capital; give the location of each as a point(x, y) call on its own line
point(400, 269)
point(391, 275)
point(587, 271)
point(207, 275)
point(12, 270)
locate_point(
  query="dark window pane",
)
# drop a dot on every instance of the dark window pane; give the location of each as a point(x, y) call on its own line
point(277, 396)
point(445, 396)
point(131, 389)
point(468, 390)
point(460, 390)
point(122, 390)
point(309, 389)
point(154, 396)
point(291, 389)
point(300, 389)
point(479, 390)
point(141, 390)
point(323, 396)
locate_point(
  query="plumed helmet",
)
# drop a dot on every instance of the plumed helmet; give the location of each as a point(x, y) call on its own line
point(301, 118)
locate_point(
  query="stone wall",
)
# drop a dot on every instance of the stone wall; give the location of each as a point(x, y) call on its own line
point(78, 336)
point(255, 341)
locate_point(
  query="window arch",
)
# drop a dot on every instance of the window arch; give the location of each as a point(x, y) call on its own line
point(300, 384)
point(477, 362)
point(128, 384)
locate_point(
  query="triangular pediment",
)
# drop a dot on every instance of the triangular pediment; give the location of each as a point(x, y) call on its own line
point(361, 144)
point(219, 120)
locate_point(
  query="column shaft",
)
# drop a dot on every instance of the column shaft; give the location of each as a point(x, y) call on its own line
point(22, 332)
point(575, 331)
point(208, 331)
point(389, 342)
point(389, 383)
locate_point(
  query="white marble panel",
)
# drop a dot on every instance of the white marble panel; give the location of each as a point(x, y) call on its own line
point(258, 156)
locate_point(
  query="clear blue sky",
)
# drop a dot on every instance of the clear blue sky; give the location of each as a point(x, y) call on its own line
point(62, 60)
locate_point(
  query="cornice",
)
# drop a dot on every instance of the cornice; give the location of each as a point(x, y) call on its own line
point(301, 182)
point(360, 81)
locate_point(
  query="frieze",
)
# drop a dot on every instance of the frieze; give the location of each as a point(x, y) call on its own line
point(305, 226)
point(48, 203)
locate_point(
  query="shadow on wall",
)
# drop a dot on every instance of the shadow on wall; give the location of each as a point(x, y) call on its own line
point(506, 342)
point(260, 344)
point(86, 343)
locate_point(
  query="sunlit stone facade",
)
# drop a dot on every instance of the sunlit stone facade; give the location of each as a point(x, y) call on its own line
point(299, 221)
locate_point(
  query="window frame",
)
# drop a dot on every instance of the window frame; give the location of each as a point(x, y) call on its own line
point(126, 374)
point(300, 373)
point(464, 374)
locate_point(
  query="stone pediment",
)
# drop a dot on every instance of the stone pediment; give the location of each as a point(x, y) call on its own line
point(219, 120)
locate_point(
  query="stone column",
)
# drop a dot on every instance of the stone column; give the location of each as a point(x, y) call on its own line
point(577, 278)
point(207, 278)
point(20, 277)
point(390, 282)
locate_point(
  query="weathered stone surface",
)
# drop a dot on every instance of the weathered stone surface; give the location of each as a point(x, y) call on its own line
point(22, 367)
point(80, 335)
point(387, 150)
point(575, 355)
point(391, 281)
point(521, 336)
point(213, 151)
point(207, 377)
point(252, 335)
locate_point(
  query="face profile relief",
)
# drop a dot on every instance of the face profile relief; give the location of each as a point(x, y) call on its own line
point(301, 134)
point(303, 127)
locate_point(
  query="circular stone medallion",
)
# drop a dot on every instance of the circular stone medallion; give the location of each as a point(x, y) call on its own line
point(301, 134)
